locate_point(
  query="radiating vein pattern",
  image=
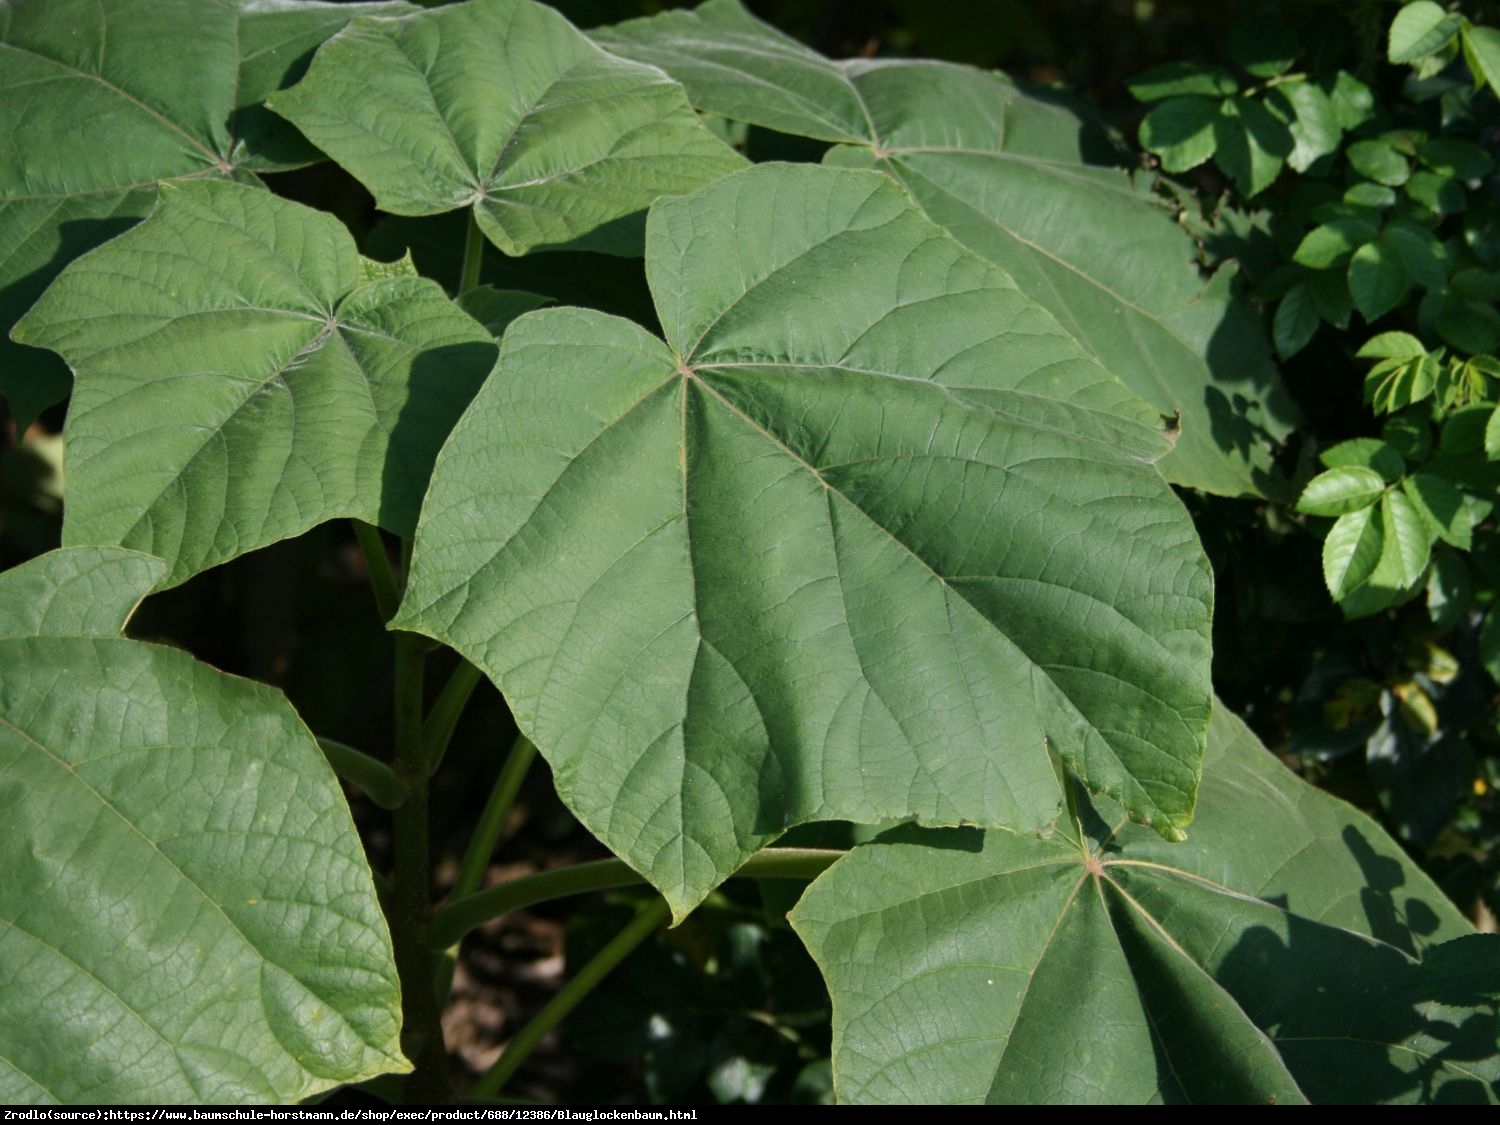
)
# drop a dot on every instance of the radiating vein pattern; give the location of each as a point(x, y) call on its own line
point(1004, 172)
point(239, 382)
point(865, 537)
point(1109, 968)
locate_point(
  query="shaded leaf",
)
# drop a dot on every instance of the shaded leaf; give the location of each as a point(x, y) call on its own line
point(188, 912)
point(1379, 161)
point(1372, 453)
point(1453, 156)
point(1481, 46)
point(496, 308)
point(1441, 507)
point(1378, 280)
point(859, 656)
point(1182, 132)
point(1268, 959)
point(238, 383)
point(1450, 590)
point(502, 107)
point(1252, 143)
point(1295, 322)
point(1327, 245)
point(1176, 79)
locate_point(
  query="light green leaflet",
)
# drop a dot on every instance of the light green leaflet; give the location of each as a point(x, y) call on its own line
point(99, 99)
point(186, 913)
point(239, 382)
point(1003, 171)
point(1271, 959)
point(863, 538)
point(504, 107)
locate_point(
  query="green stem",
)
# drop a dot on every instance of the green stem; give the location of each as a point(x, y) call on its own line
point(650, 919)
point(473, 256)
point(482, 845)
point(492, 820)
point(453, 921)
point(376, 779)
point(437, 731)
point(378, 564)
point(422, 1032)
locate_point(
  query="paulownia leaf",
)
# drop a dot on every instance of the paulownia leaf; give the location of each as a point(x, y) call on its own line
point(186, 913)
point(1003, 171)
point(1272, 959)
point(504, 107)
point(99, 99)
point(238, 381)
point(860, 540)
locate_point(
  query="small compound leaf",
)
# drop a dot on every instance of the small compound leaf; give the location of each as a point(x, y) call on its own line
point(1252, 143)
point(1372, 453)
point(502, 107)
point(1407, 538)
point(1450, 590)
point(722, 582)
point(238, 383)
point(1181, 131)
point(1420, 28)
point(1482, 53)
point(1295, 322)
point(1441, 507)
point(1352, 551)
point(1315, 127)
point(1271, 958)
point(1453, 156)
point(1344, 489)
point(187, 910)
point(1377, 280)
point(1379, 161)
point(1327, 245)
point(1492, 436)
point(1177, 79)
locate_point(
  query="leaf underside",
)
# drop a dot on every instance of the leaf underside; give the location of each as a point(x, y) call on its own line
point(865, 537)
point(187, 914)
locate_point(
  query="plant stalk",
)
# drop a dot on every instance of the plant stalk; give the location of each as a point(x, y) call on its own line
point(437, 731)
point(422, 1032)
point(378, 564)
point(373, 777)
point(473, 256)
point(651, 918)
point(492, 820)
point(453, 921)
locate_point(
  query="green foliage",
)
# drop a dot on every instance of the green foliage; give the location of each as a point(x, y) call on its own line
point(801, 503)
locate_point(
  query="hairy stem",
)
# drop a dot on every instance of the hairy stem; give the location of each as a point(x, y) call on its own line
point(422, 1032)
point(373, 777)
point(651, 918)
point(456, 919)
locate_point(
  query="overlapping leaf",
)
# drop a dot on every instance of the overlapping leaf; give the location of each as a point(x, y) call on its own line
point(504, 107)
point(1271, 959)
point(863, 538)
point(186, 913)
point(99, 99)
point(240, 380)
point(1003, 171)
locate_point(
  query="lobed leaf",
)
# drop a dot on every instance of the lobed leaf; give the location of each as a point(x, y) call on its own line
point(1273, 960)
point(864, 538)
point(1005, 172)
point(239, 380)
point(99, 99)
point(187, 911)
point(504, 108)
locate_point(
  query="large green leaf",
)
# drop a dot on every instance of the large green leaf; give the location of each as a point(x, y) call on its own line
point(238, 381)
point(186, 913)
point(1270, 959)
point(1003, 171)
point(860, 540)
point(504, 107)
point(99, 99)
